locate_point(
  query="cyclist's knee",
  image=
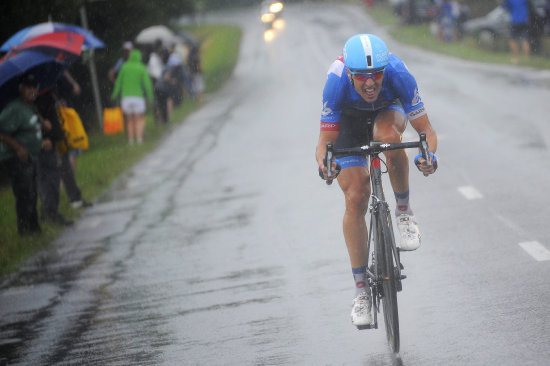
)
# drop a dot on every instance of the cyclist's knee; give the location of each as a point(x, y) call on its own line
point(389, 127)
point(357, 200)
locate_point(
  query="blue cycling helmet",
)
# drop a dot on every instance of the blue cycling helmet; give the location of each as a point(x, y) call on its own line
point(365, 52)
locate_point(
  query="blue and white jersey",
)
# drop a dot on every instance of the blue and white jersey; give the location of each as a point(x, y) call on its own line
point(398, 85)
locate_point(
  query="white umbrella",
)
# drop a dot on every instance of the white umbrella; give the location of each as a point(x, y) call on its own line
point(151, 34)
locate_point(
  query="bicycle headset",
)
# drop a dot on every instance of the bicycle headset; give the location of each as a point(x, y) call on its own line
point(365, 52)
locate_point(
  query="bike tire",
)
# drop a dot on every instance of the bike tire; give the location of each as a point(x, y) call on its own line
point(389, 281)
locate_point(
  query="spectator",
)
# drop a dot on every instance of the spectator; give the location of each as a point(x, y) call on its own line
point(519, 27)
point(463, 16)
point(195, 69)
point(20, 143)
point(178, 72)
point(66, 88)
point(155, 68)
point(127, 47)
point(133, 84)
point(163, 87)
point(448, 17)
point(49, 170)
point(155, 63)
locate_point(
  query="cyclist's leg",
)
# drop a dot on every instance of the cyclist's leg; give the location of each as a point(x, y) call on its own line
point(354, 182)
point(389, 127)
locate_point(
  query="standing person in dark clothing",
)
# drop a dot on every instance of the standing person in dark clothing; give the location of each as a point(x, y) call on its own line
point(49, 163)
point(66, 88)
point(20, 143)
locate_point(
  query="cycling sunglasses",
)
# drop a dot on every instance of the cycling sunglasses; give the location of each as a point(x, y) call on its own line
point(364, 76)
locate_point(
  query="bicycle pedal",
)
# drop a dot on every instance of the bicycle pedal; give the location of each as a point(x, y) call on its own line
point(403, 277)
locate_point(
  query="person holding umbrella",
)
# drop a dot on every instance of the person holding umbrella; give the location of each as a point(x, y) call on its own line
point(20, 143)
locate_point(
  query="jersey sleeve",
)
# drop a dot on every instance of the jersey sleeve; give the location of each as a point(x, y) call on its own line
point(407, 89)
point(332, 97)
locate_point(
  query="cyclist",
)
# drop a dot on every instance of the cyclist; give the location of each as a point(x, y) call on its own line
point(368, 83)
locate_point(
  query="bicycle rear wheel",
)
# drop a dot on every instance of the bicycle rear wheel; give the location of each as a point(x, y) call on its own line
point(389, 281)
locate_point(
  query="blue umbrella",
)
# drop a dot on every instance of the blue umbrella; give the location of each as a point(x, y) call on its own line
point(45, 67)
point(24, 35)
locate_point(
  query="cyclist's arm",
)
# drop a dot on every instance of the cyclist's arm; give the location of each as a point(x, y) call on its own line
point(324, 137)
point(422, 124)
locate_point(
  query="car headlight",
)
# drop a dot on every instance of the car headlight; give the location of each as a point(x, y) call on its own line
point(276, 7)
point(267, 17)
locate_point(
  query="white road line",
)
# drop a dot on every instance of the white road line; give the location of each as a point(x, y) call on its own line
point(470, 192)
point(536, 250)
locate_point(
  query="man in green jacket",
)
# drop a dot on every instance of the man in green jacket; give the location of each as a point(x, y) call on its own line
point(133, 85)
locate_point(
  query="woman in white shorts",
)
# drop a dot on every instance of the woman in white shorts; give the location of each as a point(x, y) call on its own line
point(133, 84)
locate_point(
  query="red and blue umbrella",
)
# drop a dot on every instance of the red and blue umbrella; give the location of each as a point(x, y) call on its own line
point(29, 33)
point(61, 45)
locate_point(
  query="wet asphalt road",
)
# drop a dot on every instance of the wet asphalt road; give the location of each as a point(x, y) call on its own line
point(223, 247)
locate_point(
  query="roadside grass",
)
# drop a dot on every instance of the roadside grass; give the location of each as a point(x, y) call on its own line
point(111, 156)
point(468, 48)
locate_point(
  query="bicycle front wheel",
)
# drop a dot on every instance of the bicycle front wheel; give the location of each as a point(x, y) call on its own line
point(389, 280)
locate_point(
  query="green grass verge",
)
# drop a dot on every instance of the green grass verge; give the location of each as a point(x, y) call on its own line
point(111, 156)
point(468, 48)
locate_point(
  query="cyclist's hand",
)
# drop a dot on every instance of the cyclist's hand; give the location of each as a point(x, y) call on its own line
point(323, 171)
point(421, 164)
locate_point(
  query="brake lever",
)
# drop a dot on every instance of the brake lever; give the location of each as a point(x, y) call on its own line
point(329, 154)
point(424, 148)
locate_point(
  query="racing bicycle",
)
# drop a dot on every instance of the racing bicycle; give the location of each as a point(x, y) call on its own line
point(384, 269)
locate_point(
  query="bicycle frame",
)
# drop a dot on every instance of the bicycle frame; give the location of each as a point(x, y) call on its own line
point(379, 208)
point(384, 270)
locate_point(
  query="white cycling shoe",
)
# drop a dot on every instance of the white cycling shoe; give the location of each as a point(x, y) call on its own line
point(361, 311)
point(409, 232)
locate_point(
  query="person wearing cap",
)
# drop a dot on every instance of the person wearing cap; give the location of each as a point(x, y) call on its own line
point(20, 143)
point(127, 47)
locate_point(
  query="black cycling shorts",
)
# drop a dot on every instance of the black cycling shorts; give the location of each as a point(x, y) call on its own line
point(356, 129)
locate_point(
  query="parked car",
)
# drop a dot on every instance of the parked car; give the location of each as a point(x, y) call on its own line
point(496, 24)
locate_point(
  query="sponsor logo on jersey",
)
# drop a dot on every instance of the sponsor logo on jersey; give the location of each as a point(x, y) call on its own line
point(326, 110)
point(416, 100)
point(327, 126)
point(419, 112)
